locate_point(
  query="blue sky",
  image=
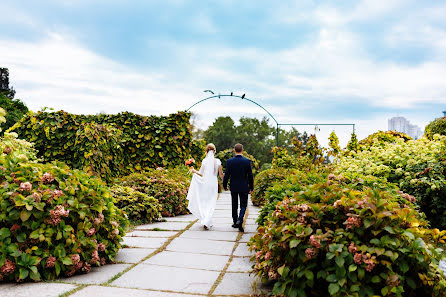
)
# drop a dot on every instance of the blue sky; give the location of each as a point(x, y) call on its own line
point(306, 61)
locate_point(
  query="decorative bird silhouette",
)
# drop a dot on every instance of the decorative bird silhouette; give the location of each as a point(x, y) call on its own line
point(209, 91)
point(231, 93)
point(243, 96)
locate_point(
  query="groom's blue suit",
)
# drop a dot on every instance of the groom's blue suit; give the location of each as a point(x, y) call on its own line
point(239, 172)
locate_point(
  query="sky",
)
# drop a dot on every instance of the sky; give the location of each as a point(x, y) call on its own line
point(359, 62)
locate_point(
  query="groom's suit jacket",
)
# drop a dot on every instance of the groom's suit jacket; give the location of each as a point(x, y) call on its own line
point(239, 172)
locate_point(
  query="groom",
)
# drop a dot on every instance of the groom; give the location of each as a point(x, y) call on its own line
point(239, 172)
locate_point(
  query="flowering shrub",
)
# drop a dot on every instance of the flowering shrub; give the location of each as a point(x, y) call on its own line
point(54, 221)
point(437, 126)
point(330, 238)
point(139, 207)
point(168, 186)
point(281, 159)
point(416, 167)
point(266, 179)
point(382, 137)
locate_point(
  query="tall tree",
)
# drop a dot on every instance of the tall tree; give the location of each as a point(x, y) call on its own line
point(15, 109)
point(221, 133)
point(4, 84)
point(254, 135)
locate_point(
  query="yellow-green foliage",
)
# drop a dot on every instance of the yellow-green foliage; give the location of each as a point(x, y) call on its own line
point(139, 207)
point(126, 142)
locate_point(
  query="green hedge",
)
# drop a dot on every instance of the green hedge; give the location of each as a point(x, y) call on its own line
point(110, 145)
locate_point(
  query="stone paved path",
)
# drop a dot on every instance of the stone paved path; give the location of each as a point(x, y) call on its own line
point(166, 259)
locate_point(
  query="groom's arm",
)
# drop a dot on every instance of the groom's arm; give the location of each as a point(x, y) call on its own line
point(227, 175)
point(250, 178)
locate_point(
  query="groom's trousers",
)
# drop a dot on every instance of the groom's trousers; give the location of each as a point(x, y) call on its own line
point(243, 205)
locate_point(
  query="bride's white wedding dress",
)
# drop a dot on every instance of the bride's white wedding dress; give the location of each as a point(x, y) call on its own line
point(203, 190)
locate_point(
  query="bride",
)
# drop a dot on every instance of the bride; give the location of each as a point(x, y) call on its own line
point(203, 190)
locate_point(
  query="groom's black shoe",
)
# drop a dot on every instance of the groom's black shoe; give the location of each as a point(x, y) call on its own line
point(235, 225)
point(240, 226)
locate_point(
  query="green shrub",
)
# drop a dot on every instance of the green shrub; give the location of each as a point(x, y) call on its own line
point(416, 167)
point(168, 186)
point(227, 154)
point(382, 137)
point(264, 180)
point(54, 221)
point(331, 240)
point(145, 142)
point(139, 207)
point(282, 159)
point(14, 108)
point(437, 126)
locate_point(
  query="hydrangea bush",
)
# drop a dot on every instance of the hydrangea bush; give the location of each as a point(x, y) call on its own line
point(416, 167)
point(437, 126)
point(168, 186)
point(139, 207)
point(264, 180)
point(54, 221)
point(332, 238)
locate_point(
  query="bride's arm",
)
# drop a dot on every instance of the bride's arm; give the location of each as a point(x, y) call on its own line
point(220, 171)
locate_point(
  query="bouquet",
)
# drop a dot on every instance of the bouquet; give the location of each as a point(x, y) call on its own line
point(190, 163)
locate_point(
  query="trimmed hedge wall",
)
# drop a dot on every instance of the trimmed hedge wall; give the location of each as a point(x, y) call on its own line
point(109, 145)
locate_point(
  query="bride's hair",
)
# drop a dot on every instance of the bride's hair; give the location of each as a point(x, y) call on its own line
point(210, 147)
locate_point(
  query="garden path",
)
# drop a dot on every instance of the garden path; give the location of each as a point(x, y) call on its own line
point(166, 259)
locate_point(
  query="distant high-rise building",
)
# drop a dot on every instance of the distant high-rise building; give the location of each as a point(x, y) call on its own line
point(401, 124)
point(444, 113)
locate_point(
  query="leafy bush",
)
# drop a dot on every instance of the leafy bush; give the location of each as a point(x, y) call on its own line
point(282, 159)
point(53, 220)
point(198, 151)
point(266, 179)
point(437, 126)
point(295, 181)
point(146, 142)
point(14, 108)
point(416, 167)
point(382, 137)
point(227, 154)
point(139, 207)
point(331, 239)
point(168, 186)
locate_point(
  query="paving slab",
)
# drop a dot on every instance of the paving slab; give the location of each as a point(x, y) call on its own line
point(240, 264)
point(215, 227)
point(144, 242)
point(165, 226)
point(138, 233)
point(199, 246)
point(210, 235)
point(97, 275)
point(246, 237)
point(132, 255)
point(182, 218)
point(242, 250)
point(238, 284)
point(98, 291)
point(188, 260)
point(175, 279)
point(42, 289)
point(250, 228)
point(227, 220)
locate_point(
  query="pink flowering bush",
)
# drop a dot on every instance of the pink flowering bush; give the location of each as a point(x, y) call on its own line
point(168, 186)
point(334, 238)
point(54, 221)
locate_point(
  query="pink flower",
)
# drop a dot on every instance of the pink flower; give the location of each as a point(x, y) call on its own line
point(8, 267)
point(103, 261)
point(94, 257)
point(101, 247)
point(258, 255)
point(353, 222)
point(91, 232)
point(56, 214)
point(314, 242)
point(27, 186)
point(273, 275)
point(352, 248)
point(337, 203)
point(50, 262)
point(47, 178)
point(86, 268)
point(57, 193)
point(310, 253)
point(114, 224)
point(75, 258)
point(357, 258)
point(115, 232)
point(267, 256)
point(370, 265)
